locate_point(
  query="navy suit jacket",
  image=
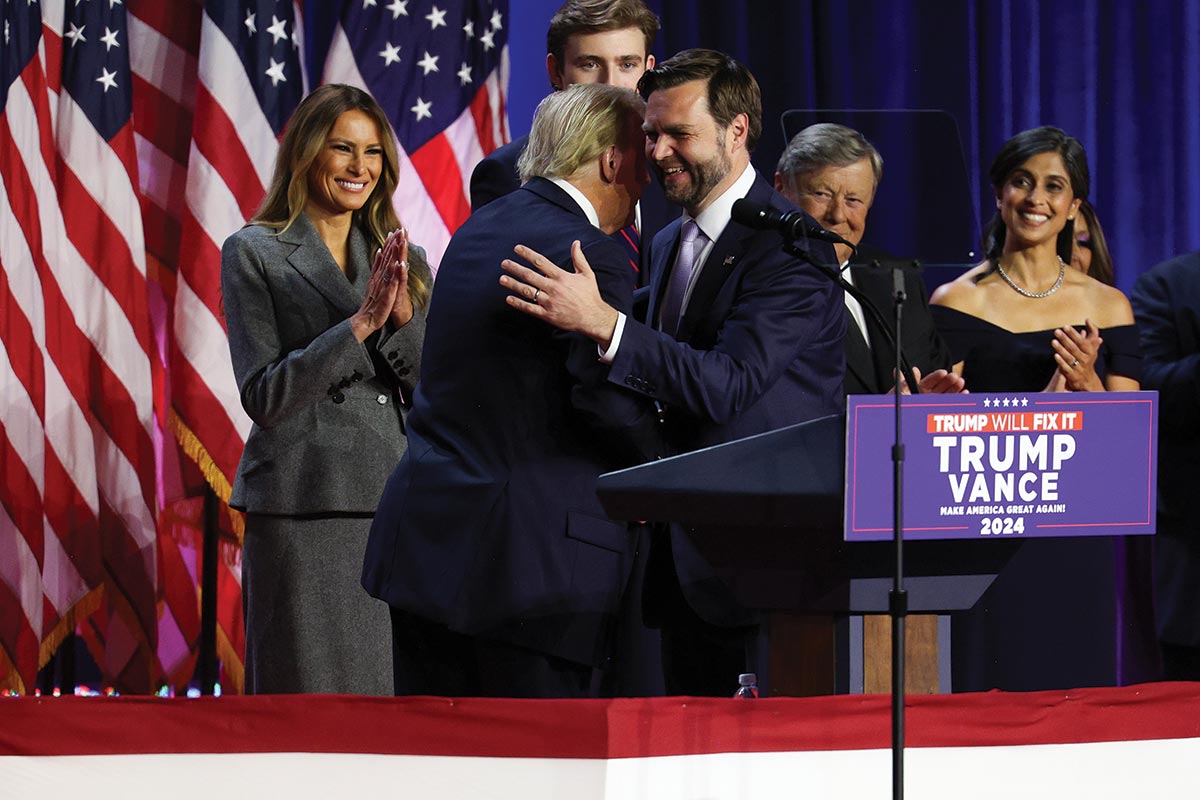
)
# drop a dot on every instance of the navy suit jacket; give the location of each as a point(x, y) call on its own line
point(1166, 302)
point(869, 369)
point(490, 524)
point(760, 346)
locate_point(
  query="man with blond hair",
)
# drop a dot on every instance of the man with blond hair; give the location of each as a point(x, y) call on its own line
point(502, 571)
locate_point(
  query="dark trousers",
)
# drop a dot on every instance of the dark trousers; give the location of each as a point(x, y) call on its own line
point(430, 659)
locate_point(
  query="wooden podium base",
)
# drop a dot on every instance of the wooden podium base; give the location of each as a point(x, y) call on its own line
point(809, 656)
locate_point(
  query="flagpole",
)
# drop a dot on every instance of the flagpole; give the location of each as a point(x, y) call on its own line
point(207, 666)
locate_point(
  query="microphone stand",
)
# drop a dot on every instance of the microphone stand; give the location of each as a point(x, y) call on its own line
point(897, 597)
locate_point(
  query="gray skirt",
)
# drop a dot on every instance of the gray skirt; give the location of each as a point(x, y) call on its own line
point(310, 626)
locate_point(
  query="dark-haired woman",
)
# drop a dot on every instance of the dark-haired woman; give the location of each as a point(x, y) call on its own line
point(1023, 321)
point(323, 301)
point(1064, 613)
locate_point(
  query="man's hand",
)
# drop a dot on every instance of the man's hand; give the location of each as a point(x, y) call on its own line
point(939, 381)
point(569, 301)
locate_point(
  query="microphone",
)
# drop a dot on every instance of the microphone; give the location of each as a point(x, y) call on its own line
point(791, 224)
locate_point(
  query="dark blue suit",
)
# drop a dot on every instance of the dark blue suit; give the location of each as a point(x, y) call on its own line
point(760, 346)
point(1166, 301)
point(490, 524)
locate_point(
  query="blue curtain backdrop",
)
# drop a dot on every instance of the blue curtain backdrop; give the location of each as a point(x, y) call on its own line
point(1122, 77)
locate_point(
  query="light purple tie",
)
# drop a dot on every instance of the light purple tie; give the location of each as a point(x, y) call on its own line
point(690, 242)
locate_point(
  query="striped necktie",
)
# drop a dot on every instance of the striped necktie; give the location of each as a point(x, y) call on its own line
point(629, 239)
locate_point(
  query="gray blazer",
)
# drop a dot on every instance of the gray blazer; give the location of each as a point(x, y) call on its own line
point(328, 411)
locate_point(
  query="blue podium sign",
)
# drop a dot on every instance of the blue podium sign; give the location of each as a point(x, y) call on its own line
point(1027, 464)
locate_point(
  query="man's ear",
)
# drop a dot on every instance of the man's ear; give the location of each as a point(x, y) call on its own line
point(609, 161)
point(778, 183)
point(554, 71)
point(739, 126)
point(649, 62)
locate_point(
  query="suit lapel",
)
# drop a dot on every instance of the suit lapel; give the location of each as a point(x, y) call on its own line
point(722, 260)
point(662, 257)
point(876, 284)
point(312, 259)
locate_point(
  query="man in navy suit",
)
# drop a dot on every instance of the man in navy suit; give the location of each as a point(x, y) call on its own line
point(589, 41)
point(502, 572)
point(1166, 302)
point(832, 172)
point(741, 337)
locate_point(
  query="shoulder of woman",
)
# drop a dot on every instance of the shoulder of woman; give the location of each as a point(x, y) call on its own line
point(1112, 307)
point(960, 294)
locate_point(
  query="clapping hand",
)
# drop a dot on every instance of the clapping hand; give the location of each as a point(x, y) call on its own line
point(940, 381)
point(1076, 354)
point(387, 294)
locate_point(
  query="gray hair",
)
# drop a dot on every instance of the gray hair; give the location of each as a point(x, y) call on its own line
point(827, 144)
point(574, 126)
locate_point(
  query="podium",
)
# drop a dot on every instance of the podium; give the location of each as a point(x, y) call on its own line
point(766, 511)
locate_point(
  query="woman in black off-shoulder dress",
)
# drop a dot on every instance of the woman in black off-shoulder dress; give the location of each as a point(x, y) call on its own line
point(1064, 612)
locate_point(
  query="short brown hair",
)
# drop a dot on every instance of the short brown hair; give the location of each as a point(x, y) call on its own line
point(732, 90)
point(597, 16)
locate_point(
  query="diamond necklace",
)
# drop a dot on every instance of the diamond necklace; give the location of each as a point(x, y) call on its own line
point(1062, 273)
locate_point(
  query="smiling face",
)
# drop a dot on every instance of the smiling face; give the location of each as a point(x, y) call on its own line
point(837, 197)
point(1036, 201)
point(347, 168)
point(694, 158)
point(615, 57)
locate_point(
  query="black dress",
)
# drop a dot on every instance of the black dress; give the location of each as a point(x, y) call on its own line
point(1064, 613)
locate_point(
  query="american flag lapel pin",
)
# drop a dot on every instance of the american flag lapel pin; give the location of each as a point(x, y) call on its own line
point(728, 262)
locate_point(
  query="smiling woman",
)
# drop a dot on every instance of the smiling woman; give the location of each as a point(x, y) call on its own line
point(1024, 291)
point(1023, 321)
point(325, 343)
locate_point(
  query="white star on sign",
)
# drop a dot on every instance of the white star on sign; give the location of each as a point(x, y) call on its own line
point(398, 7)
point(469, 29)
point(436, 17)
point(110, 39)
point(249, 23)
point(278, 29)
point(75, 34)
point(496, 21)
point(421, 109)
point(275, 73)
point(428, 63)
point(464, 74)
point(486, 40)
point(368, 3)
point(109, 79)
point(390, 53)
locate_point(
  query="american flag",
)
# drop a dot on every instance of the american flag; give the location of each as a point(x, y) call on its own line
point(440, 71)
point(79, 361)
point(135, 136)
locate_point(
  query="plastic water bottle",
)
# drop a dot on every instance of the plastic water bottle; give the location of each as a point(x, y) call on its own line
point(747, 687)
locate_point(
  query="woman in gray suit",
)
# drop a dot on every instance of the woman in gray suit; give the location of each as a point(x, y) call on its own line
point(326, 345)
